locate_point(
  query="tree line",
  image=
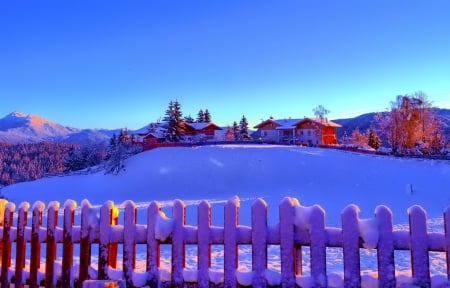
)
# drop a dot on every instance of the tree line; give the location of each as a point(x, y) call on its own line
point(410, 126)
point(175, 129)
point(26, 162)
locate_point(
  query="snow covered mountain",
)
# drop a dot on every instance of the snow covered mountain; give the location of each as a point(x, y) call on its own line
point(17, 127)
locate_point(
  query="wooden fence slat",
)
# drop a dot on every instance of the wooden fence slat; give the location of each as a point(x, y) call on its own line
point(204, 244)
point(287, 242)
point(85, 246)
point(21, 244)
point(178, 247)
point(113, 248)
point(420, 263)
point(50, 254)
point(67, 260)
point(447, 239)
point(129, 245)
point(153, 246)
point(231, 221)
point(297, 226)
point(35, 257)
point(103, 247)
point(318, 246)
point(350, 243)
point(385, 252)
point(6, 243)
point(3, 203)
point(259, 243)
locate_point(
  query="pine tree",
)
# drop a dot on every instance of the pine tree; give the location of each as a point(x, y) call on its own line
point(174, 122)
point(373, 139)
point(200, 116)
point(207, 116)
point(235, 129)
point(74, 161)
point(243, 129)
point(189, 119)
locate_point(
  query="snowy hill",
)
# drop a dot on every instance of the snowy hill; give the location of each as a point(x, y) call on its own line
point(365, 121)
point(331, 178)
point(18, 127)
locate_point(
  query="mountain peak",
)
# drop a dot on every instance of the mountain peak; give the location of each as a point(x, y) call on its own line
point(17, 114)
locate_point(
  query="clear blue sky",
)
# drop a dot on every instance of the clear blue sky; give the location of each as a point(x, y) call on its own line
point(112, 64)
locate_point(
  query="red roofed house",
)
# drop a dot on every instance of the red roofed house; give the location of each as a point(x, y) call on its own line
point(306, 131)
point(205, 130)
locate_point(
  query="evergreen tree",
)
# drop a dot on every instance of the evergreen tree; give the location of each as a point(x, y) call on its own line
point(189, 119)
point(373, 140)
point(174, 122)
point(200, 116)
point(74, 160)
point(207, 116)
point(243, 129)
point(235, 129)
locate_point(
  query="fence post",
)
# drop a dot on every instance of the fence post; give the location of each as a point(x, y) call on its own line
point(385, 252)
point(318, 246)
point(35, 257)
point(6, 242)
point(85, 245)
point(350, 243)
point(153, 249)
point(103, 247)
point(3, 203)
point(67, 260)
point(259, 243)
point(447, 239)
point(20, 243)
point(178, 247)
point(204, 245)
point(287, 242)
point(129, 246)
point(420, 263)
point(52, 222)
point(231, 220)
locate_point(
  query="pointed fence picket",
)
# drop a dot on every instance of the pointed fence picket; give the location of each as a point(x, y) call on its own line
point(298, 227)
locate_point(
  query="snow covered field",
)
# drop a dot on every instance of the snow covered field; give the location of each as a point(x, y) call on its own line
point(330, 178)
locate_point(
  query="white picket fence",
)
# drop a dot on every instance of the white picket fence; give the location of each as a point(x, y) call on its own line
point(298, 226)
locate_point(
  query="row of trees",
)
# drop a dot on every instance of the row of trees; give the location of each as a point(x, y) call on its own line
point(26, 162)
point(409, 127)
point(174, 120)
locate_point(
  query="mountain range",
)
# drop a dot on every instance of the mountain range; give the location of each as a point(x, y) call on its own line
point(18, 127)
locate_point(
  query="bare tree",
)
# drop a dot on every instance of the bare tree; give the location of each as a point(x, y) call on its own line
point(321, 112)
point(411, 125)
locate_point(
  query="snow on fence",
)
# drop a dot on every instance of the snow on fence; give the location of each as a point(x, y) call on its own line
point(298, 226)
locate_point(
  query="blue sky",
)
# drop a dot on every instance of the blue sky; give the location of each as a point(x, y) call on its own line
point(112, 64)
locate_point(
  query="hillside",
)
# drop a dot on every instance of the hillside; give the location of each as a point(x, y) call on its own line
point(366, 121)
point(331, 178)
point(18, 127)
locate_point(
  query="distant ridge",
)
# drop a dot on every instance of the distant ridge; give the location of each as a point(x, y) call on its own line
point(366, 121)
point(18, 127)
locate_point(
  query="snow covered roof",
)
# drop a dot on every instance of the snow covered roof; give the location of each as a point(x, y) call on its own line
point(287, 123)
point(324, 122)
point(203, 125)
point(290, 123)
